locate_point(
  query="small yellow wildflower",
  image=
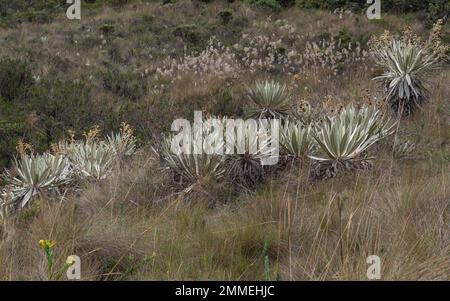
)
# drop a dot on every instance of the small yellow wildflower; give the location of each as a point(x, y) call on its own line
point(47, 244)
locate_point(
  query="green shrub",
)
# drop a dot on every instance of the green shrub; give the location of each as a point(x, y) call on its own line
point(119, 2)
point(60, 105)
point(190, 33)
point(316, 4)
point(225, 16)
point(10, 132)
point(107, 28)
point(125, 84)
point(36, 16)
point(51, 107)
point(437, 9)
point(271, 4)
point(15, 78)
point(30, 11)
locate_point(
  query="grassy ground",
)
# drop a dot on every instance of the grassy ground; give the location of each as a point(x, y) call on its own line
point(138, 225)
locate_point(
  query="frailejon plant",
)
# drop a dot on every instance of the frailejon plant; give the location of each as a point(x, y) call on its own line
point(91, 158)
point(343, 140)
point(247, 145)
point(123, 143)
point(244, 162)
point(269, 99)
point(34, 174)
point(406, 67)
point(190, 167)
point(296, 139)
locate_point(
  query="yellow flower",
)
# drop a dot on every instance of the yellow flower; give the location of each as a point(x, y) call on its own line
point(47, 244)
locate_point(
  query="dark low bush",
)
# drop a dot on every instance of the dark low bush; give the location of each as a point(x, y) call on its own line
point(125, 84)
point(15, 78)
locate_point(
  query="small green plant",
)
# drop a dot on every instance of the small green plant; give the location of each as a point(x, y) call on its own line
point(48, 247)
point(225, 16)
point(437, 9)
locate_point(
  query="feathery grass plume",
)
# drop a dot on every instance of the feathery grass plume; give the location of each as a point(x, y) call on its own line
point(344, 139)
point(269, 99)
point(406, 67)
point(438, 47)
point(91, 158)
point(187, 167)
point(123, 143)
point(295, 139)
point(34, 174)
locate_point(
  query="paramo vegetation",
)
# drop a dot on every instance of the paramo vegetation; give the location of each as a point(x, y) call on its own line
point(85, 114)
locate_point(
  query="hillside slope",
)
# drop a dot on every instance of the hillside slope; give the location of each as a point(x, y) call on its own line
point(147, 64)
